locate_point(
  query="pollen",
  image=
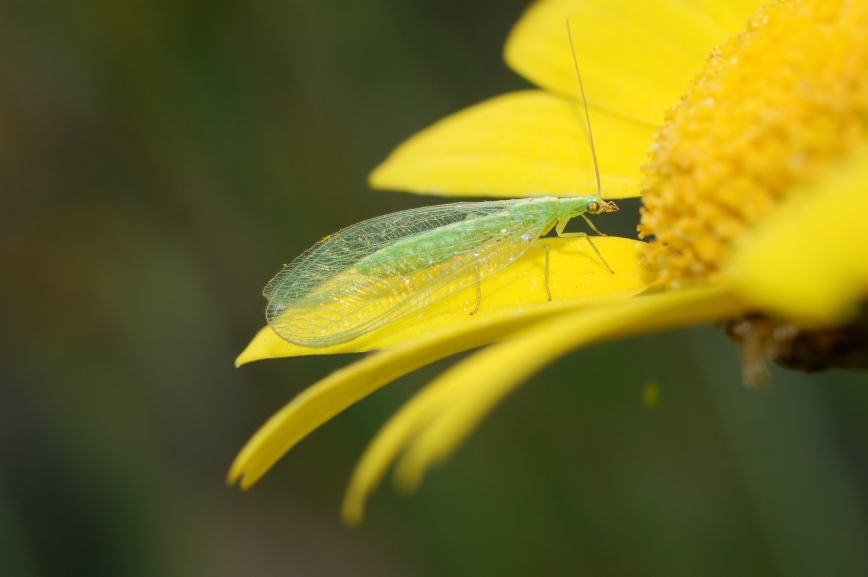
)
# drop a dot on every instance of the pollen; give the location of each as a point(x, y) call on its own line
point(775, 107)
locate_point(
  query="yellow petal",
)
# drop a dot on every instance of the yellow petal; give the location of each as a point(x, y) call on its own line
point(576, 274)
point(737, 11)
point(526, 143)
point(809, 261)
point(388, 444)
point(730, 15)
point(636, 58)
point(325, 399)
point(436, 421)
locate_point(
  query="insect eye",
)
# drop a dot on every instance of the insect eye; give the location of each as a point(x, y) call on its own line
point(593, 206)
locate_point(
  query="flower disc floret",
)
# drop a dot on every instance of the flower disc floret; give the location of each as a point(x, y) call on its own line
point(774, 108)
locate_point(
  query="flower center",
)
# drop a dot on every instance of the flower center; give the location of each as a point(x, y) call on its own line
point(773, 108)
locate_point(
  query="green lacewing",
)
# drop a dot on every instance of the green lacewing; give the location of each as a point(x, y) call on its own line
point(378, 271)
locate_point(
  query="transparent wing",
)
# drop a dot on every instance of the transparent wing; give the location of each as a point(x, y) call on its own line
point(422, 255)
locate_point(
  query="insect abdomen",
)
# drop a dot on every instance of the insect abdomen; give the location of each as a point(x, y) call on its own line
point(416, 253)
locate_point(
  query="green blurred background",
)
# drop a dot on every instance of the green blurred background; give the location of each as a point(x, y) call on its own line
point(159, 162)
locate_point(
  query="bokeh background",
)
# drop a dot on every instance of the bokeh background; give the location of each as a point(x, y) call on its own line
point(159, 162)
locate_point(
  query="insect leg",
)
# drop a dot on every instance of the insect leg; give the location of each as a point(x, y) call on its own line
point(560, 230)
point(478, 290)
point(546, 277)
point(591, 224)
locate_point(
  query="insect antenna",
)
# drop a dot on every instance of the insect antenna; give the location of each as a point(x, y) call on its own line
point(587, 115)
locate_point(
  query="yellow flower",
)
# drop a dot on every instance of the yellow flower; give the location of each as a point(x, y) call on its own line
point(755, 188)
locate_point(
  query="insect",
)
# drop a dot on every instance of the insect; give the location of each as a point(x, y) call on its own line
point(380, 270)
